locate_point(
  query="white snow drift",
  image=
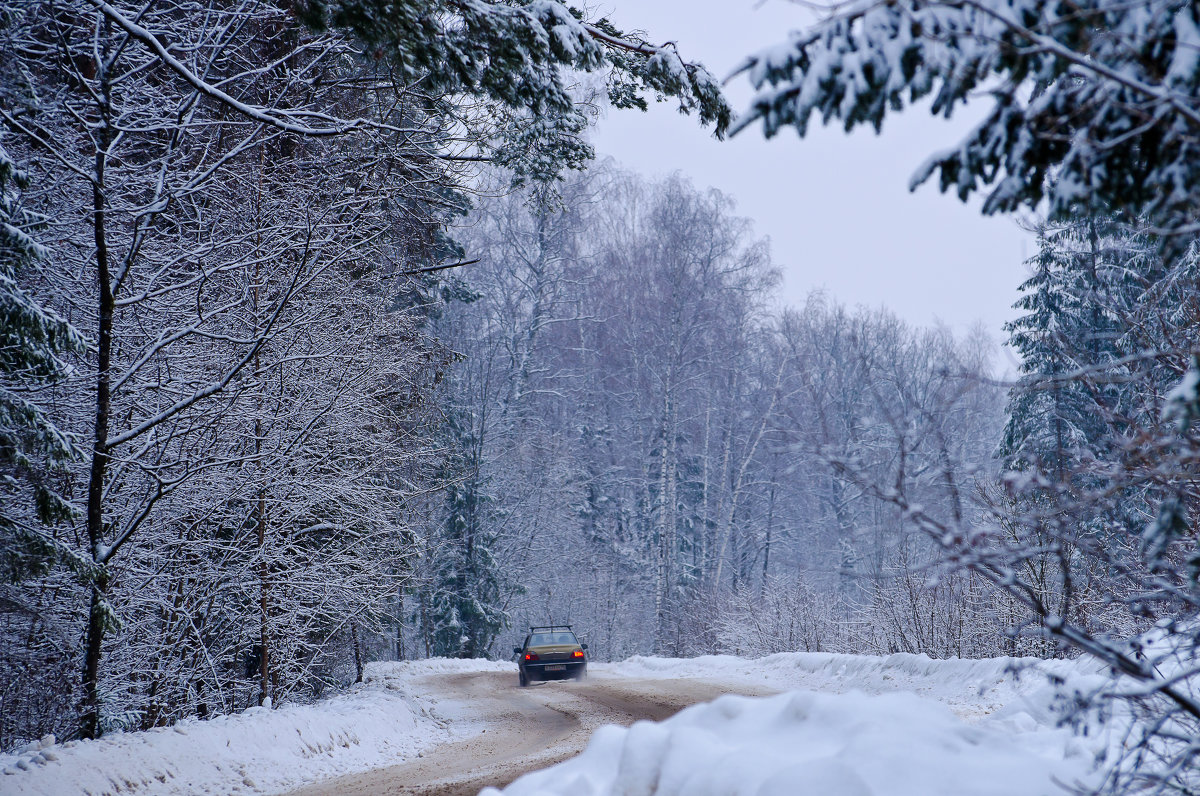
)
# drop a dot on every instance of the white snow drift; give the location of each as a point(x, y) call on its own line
point(803, 743)
point(257, 751)
point(923, 728)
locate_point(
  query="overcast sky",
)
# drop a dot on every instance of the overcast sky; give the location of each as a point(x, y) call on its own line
point(836, 207)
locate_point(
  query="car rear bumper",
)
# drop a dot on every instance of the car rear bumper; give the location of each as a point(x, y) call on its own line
point(551, 670)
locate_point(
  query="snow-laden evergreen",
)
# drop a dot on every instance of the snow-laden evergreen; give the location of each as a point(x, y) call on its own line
point(460, 611)
point(1093, 104)
point(34, 342)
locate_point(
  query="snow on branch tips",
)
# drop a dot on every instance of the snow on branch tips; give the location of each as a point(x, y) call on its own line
point(1096, 103)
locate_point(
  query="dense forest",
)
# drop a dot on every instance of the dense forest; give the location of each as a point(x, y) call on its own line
point(650, 439)
point(220, 421)
point(325, 339)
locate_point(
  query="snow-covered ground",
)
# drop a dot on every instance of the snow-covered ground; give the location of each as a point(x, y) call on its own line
point(903, 725)
point(846, 726)
point(973, 689)
point(381, 721)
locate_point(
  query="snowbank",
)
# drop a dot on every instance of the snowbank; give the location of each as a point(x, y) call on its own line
point(922, 728)
point(823, 744)
point(972, 688)
point(901, 725)
point(383, 721)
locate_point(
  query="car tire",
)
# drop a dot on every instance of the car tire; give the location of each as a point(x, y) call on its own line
point(522, 679)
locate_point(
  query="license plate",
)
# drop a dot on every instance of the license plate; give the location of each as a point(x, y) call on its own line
point(556, 668)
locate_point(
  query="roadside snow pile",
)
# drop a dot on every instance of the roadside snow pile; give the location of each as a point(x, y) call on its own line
point(906, 736)
point(923, 727)
point(383, 721)
point(971, 688)
point(805, 743)
point(400, 674)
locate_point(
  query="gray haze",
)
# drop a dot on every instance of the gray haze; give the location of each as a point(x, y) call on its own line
point(836, 207)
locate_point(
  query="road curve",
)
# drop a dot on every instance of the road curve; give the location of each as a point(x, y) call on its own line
point(525, 729)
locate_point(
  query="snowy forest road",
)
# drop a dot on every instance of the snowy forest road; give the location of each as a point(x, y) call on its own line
point(525, 729)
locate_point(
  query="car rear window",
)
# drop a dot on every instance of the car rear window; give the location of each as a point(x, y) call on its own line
point(543, 639)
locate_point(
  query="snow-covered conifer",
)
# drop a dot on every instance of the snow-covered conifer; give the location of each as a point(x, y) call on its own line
point(33, 342)
point(1094, 104)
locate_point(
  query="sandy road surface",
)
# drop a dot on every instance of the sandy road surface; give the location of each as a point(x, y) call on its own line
point(526, 729)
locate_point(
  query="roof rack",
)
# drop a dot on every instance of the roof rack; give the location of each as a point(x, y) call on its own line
point(535, 628)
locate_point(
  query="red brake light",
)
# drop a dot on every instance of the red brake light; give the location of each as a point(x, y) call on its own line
point(529, 656)
point(577, 654)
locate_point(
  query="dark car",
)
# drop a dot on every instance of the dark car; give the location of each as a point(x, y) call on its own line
point(551, 652)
